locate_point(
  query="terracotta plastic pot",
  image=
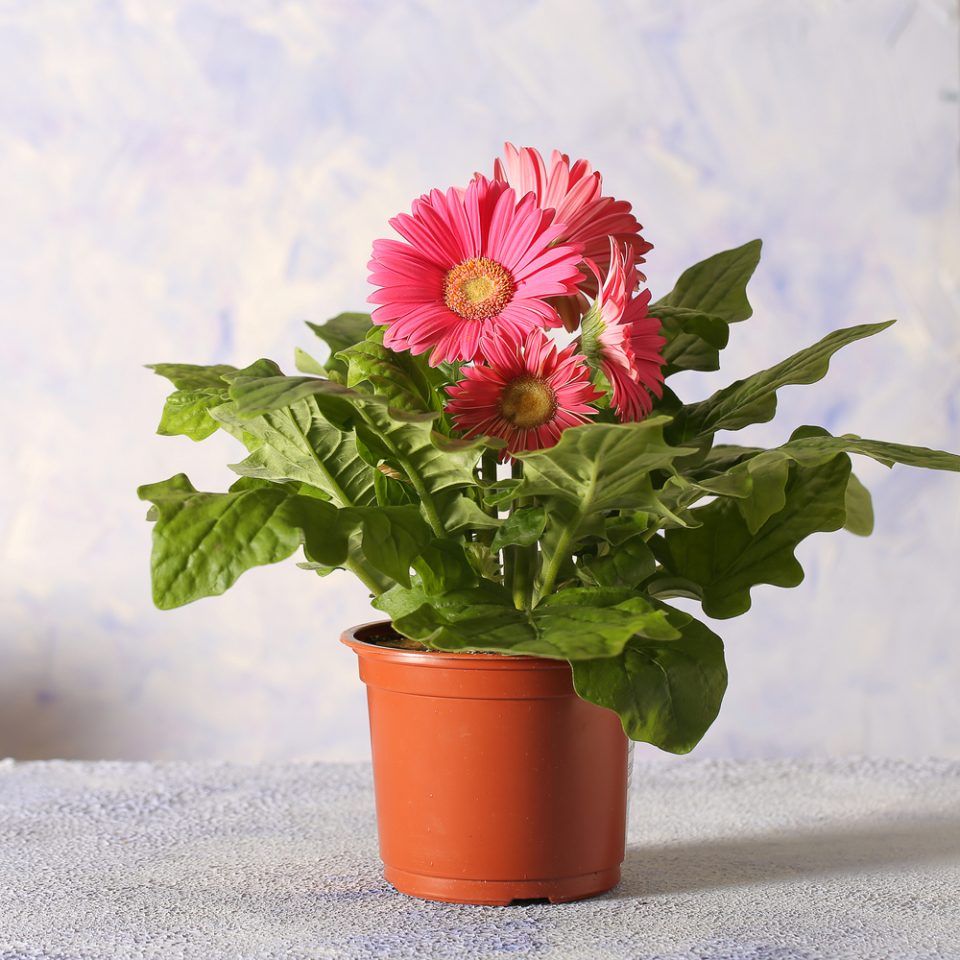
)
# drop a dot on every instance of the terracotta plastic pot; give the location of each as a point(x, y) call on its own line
point(494, 781)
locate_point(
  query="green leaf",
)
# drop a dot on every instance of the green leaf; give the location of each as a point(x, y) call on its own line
point(299, 443)
point(718, 285)
point(189, 376)
point(601, 466)
point(393, 538)
point(343, 331)
point(666, 692)
point(485, 599)
point(443, 567)
point(578, 623)
point(596, 467)
point(186, 411)
point(431, 462)
point(814, 445)
point(406, 382)
point(754, 400)
point(626, 564)
point(460, 512)
point(725, 559)
point(307, 364)
point(859, 507)
point(694, 338)
point(256, 396)
point(523, 527)
point(768, 475)
point(203, 541)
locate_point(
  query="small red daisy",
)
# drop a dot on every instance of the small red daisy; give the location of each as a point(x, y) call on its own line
point(527, 393)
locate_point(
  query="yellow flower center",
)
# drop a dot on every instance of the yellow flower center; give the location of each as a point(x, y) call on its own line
point(477, 288)
point(528, 402)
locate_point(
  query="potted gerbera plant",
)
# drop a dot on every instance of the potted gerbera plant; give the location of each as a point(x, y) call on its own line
point(496, 455)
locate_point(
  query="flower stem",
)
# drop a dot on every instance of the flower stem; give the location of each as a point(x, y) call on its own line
point(524, 558)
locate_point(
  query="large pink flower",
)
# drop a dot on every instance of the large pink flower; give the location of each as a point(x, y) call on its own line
point(527, 393)
point(576, 193)
point(620, 339)
point(475, 262)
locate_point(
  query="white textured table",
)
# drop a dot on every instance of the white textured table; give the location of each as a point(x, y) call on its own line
point(746, 861)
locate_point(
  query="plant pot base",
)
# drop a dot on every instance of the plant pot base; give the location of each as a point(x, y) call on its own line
point(501, 893)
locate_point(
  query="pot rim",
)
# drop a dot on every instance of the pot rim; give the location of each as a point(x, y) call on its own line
point(444, 658)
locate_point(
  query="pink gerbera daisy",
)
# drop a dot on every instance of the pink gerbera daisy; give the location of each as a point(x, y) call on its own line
point(576, 193)
point(527, 393)
point(620, 339)
point(475, 262)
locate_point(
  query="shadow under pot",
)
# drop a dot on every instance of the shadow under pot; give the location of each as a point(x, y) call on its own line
point(494, 781)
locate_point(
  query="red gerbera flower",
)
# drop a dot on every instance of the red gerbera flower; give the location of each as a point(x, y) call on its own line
point(527, 393)
point(576, 193)
point(475, 262)
point(620, 339)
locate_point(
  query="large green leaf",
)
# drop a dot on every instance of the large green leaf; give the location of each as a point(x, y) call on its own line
point(814, 445)
point(393, 537)
point(666, 692)
point(578, 623)
point(758, 477)
point(299, 443)
point(203, 541)
point(256, 396)
point(754, 399)
point(594, 468)
point(601, 466)
point(724, 559)
point(717, 285)
point(484, 599)
point(403, 442)
point(430, 462)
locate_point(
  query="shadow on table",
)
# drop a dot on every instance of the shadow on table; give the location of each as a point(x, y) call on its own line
point(820, 851)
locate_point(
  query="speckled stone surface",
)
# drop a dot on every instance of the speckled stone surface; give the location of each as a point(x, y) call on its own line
point(768, 860)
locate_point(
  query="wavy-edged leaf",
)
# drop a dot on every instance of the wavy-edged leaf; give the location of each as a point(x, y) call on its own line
point(202, 542)
point(392, 538)
point(666, 692)
point(724, 559)
point(601, 466)
point(299, 443)
point(754, 399)
point(717, 285)
point(578, 623)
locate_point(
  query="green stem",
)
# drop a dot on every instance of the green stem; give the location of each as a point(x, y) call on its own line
point(552, 570)
point(426, 500)
point(370, 578)
point(524, 558)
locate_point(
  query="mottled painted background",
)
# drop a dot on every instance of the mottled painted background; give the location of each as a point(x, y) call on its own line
point(190, 181)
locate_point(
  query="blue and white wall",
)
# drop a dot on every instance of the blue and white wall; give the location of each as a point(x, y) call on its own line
point(190, 181)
